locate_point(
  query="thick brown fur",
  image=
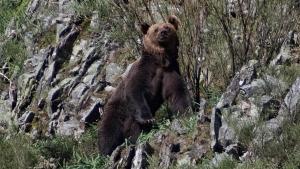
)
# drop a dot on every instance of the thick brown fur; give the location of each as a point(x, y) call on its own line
point(152, 80)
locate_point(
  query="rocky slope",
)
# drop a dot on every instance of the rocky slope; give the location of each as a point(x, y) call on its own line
point(60, 89)
point(64, 86)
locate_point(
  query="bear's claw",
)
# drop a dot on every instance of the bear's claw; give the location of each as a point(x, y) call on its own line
point(148, 121)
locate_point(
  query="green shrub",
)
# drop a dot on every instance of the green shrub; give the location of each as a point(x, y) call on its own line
point(14, 53)
point(287, 146)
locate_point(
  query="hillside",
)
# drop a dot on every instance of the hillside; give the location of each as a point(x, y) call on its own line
point(60, 60)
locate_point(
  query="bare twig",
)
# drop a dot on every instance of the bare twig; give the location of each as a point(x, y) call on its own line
point(5, 77)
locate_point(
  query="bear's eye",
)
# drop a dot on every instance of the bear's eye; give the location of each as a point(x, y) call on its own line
point(156, 30)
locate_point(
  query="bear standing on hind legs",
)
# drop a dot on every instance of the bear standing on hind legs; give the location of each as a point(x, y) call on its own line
point(153, 79)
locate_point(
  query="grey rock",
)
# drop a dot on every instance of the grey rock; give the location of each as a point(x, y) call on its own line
point(35, 134)
point(51, 72)
point(55, 115)
point(92, 73)
point(26, 127)
point(33, 7)
point(218, 158)
point(202, 118)
point(26, 118)
point(79, 50)
point(266, 85)
point(270, 108)
point(78, 92)
point(75, 71)
point(257, 87)
point(41, 104)
point(242, 78)
point(292, 101)
point(275, 86)
point(5, 114)
point(54, 99)
point(184, 161)
point(65, 31)
point(65, 7)
point(93, 114)
point(95, 20)
point(121, 157)
point(139, 160)
point(227, 134)
point(68, 128)
point(247, 156)
point(4, 95)
point(52, 127)
point(285, 56)
point(266, 132)
point(62, 52)
point(235, 150)
point(289, 111)
point(165, 156)
point(191, 157)
point(25, 121)
point(113, 71)
point(177, 127)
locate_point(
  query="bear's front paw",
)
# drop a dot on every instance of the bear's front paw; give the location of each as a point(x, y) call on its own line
point(150, 121)
point(145, 121)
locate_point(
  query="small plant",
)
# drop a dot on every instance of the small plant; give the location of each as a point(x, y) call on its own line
point(190, 124)
point(146, 137)
point(227, 163)
point(82, 161)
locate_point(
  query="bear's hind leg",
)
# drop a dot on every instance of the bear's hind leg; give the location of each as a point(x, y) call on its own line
point(110, 136)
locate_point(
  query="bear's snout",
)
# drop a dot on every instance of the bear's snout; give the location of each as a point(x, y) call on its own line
point(165, 31)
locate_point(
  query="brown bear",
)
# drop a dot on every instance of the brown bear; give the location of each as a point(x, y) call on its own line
point(152, 80)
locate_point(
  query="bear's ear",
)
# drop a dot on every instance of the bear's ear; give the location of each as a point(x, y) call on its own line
point(144, 28)
point(174, 21)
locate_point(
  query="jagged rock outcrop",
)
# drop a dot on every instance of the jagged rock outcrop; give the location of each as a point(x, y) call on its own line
point(181, 143)
point(61, 88)
point(250, 100)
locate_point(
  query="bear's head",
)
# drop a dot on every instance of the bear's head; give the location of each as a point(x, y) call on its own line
point(161, 38)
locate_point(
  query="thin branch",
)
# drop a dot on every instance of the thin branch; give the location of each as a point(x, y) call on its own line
point(5, 77)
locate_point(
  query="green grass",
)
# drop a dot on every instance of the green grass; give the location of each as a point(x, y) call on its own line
point(60, 148)
point(82, 161)
point(14, 53)
point(17, 152)
point(10, 9)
